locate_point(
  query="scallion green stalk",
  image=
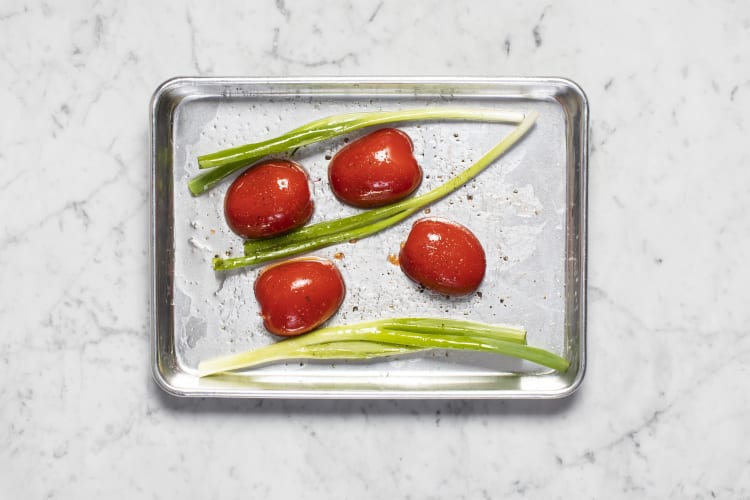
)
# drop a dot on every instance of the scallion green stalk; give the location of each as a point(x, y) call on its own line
point(365, 224)
point(223, 163)
point(390, 337)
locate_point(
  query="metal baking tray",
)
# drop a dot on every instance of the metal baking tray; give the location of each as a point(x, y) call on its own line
point(528, 209)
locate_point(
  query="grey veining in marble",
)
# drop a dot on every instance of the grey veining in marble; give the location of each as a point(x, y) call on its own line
point(665, 409)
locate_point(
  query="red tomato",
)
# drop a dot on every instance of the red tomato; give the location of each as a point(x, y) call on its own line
point(268, 199)
point(443, 256)
point(375, 170)
point(298, 295)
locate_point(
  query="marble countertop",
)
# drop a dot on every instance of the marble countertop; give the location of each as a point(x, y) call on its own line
point(664, 411)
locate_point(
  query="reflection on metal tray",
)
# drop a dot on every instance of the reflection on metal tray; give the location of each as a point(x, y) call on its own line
point(528, 209)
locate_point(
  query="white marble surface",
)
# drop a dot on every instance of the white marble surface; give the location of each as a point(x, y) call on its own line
point(664, 411)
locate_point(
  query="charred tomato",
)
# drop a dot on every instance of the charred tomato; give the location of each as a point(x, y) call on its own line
point(298, 295)
point(270, 198)
point(375, 170)
point(443, 256)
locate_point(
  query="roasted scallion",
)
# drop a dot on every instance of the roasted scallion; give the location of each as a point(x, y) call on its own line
point(221, 164)
point(390, 337)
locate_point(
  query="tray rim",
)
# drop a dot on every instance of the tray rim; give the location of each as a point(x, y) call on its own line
point(582, 220)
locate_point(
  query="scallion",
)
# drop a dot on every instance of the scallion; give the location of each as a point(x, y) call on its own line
point(224, 163)
point(389, 337)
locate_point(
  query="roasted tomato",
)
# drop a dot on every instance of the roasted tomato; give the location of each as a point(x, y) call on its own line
point(270, 198)
point(375, 170)
point(298, 295)
point(443, 256)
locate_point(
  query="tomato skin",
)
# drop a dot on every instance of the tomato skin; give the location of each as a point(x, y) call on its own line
point(375, 170)
point(298, 295)
point(268, 199)
point(443, 256)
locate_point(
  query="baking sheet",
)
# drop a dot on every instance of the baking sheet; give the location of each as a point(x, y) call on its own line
point(528, 209)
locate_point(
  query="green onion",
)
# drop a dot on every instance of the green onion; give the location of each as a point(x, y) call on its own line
point(390, 337)
point(365, 224)
point(226, 162)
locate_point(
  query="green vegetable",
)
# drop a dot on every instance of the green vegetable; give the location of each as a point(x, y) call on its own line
point(361, 225)
point(391, 337)
point(226, 162)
